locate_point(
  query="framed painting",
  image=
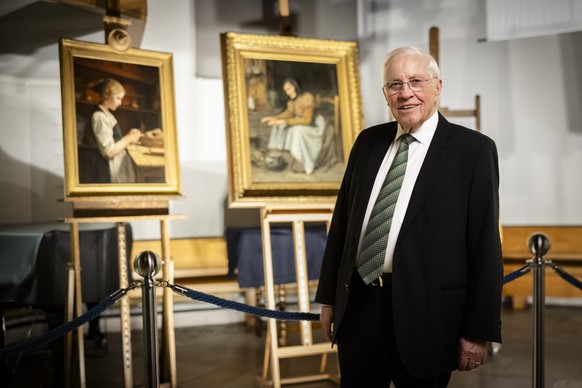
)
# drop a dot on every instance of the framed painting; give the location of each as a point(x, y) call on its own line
point(293, 110)
point(119, 126)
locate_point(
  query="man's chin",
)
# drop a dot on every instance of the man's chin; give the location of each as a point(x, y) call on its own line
point(407, 123)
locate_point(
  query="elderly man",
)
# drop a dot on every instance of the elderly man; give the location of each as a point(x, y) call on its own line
point(412, 273)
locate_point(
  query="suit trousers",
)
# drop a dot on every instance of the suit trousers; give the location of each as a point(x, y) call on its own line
point(367, 349)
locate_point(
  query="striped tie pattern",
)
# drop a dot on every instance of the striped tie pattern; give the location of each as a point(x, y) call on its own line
point(371, 258)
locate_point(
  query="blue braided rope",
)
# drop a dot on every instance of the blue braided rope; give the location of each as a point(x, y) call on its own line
point(245, 308)
point(567, 277)
point(220, 302)
point(59, 331)
point(516, 274)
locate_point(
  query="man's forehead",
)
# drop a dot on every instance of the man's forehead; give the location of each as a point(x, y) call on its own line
point(408, 63)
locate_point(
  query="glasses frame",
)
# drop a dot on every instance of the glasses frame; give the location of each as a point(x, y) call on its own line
point(387, 90)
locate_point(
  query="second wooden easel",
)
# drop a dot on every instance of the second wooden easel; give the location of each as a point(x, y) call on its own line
point(297, 216)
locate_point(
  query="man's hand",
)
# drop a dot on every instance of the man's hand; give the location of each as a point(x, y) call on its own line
point(326, 320)
point(472, 354)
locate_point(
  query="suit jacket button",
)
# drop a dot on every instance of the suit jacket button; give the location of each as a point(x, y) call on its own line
point(347, 286)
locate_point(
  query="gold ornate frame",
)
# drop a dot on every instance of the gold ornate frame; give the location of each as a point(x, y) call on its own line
point(148, 104)
point(274, 58)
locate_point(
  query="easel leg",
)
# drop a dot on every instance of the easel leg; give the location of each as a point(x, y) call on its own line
point(69, 313)
point(258, 303)
point(250, 299)
point(125, 313)
point(275, 366)
point(270, 298)
point(76, 252)
point(168, 368)
point(302, 279)
point(267, 355)
point(282, 307)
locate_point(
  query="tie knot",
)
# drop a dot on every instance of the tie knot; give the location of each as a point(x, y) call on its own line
point(407, 138)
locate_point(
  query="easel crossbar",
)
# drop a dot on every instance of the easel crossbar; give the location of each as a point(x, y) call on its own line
point(288, 218)
point(306, 379)
point(302, 350)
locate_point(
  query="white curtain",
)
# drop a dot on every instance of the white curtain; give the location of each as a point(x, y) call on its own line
point(511, 19)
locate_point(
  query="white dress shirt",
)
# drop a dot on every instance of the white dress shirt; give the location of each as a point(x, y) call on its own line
point(416, 153)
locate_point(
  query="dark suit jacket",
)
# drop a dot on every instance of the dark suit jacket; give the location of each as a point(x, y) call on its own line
point(447, 269)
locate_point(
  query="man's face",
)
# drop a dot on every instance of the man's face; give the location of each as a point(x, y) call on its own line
point(411, 108)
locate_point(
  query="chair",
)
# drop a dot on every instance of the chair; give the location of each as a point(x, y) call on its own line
point(33, 274)
point(18, 279)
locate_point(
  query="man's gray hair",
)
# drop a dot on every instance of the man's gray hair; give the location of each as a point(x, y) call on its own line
point(432, 66)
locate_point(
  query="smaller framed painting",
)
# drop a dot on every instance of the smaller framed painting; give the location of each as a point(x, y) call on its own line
point(119, 127)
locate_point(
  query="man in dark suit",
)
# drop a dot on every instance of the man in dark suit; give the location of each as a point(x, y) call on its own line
point(432, 304)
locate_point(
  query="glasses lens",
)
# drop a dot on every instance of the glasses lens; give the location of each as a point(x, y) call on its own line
point(415, 85)
point(394, 87)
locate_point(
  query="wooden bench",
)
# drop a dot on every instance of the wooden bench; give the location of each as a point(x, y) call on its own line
point(566, 250)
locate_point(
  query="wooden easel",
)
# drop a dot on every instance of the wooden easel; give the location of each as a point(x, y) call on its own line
point(297, 216)
point(434, 51)
point(119, 211)
point(284, 19)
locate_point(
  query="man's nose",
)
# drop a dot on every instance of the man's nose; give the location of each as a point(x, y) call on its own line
point(405, 90)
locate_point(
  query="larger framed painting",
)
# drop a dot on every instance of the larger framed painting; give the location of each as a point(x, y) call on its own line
point(293, 110)
point(119, 127)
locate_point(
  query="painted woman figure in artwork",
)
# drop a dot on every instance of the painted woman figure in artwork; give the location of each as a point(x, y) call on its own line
point(297, 132)
point(103, 156)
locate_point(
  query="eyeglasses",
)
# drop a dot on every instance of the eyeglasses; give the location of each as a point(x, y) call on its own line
point(415, 84)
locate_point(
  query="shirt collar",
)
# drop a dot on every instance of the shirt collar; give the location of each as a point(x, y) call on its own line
point(425, 132)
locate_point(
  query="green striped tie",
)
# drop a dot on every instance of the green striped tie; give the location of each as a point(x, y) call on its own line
point(371, 259)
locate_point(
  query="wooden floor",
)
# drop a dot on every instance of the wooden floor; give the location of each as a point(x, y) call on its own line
point(232, 356)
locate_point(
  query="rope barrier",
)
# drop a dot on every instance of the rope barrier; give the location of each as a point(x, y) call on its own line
point(245, 308)
point(566, 276)
point(516, 274)
point(220, 302)
point(559, 270)
point(110, 300)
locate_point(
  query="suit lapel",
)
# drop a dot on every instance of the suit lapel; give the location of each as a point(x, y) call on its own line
point(433, 163)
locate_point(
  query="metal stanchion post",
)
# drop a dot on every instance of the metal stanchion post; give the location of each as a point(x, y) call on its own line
point(539, 245)
point(147, 264)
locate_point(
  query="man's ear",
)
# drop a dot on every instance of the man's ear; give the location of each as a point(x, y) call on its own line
point(386, 97)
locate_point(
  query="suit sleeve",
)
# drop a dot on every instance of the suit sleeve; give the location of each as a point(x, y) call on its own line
point(482, 319)
point(336, 238)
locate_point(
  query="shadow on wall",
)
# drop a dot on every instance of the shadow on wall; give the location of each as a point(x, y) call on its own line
point(571, 58)
point(203, 188)
point(41, 24)
point(20, 203)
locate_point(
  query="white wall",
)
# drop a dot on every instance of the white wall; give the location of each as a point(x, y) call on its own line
point(530, 88)
point(530, 98)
